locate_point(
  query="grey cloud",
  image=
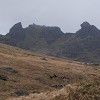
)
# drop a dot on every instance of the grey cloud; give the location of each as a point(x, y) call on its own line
point(67, 14)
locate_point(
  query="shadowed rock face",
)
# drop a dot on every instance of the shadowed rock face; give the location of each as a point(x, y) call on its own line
point(1, 36)
point(84, 45)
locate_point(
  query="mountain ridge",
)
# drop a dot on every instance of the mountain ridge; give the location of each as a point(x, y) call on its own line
point(84, 45)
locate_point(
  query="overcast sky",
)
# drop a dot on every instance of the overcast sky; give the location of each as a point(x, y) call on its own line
point(67, 14)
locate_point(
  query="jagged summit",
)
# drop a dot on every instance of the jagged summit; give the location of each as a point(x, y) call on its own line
point(17, 25)
point(85, 24)
point(16, 28)
point(88, 29)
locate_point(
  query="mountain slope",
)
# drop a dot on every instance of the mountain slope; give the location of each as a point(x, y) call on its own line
point(25, 72)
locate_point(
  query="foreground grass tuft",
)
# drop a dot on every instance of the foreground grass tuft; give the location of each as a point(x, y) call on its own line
point(87, 91)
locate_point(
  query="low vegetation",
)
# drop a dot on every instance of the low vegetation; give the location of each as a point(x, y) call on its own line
point(86, 91)
point(21, 92)
point(8, 69)
point(3, 77)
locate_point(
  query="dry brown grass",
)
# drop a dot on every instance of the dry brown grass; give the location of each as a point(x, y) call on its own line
point(83, 91)
point(38, 75)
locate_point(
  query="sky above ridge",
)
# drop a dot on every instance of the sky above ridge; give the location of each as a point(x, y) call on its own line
point(66, 14)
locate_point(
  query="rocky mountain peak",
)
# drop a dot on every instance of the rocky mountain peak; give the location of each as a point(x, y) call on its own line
point(85, 25)
point(17, 25)
point(88, 29)
point(16, 28)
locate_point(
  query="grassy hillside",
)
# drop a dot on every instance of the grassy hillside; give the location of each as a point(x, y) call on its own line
point(81, 91)
point(23, 72)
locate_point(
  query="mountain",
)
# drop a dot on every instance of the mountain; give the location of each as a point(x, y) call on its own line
point(84, 45)
point(34, 37)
